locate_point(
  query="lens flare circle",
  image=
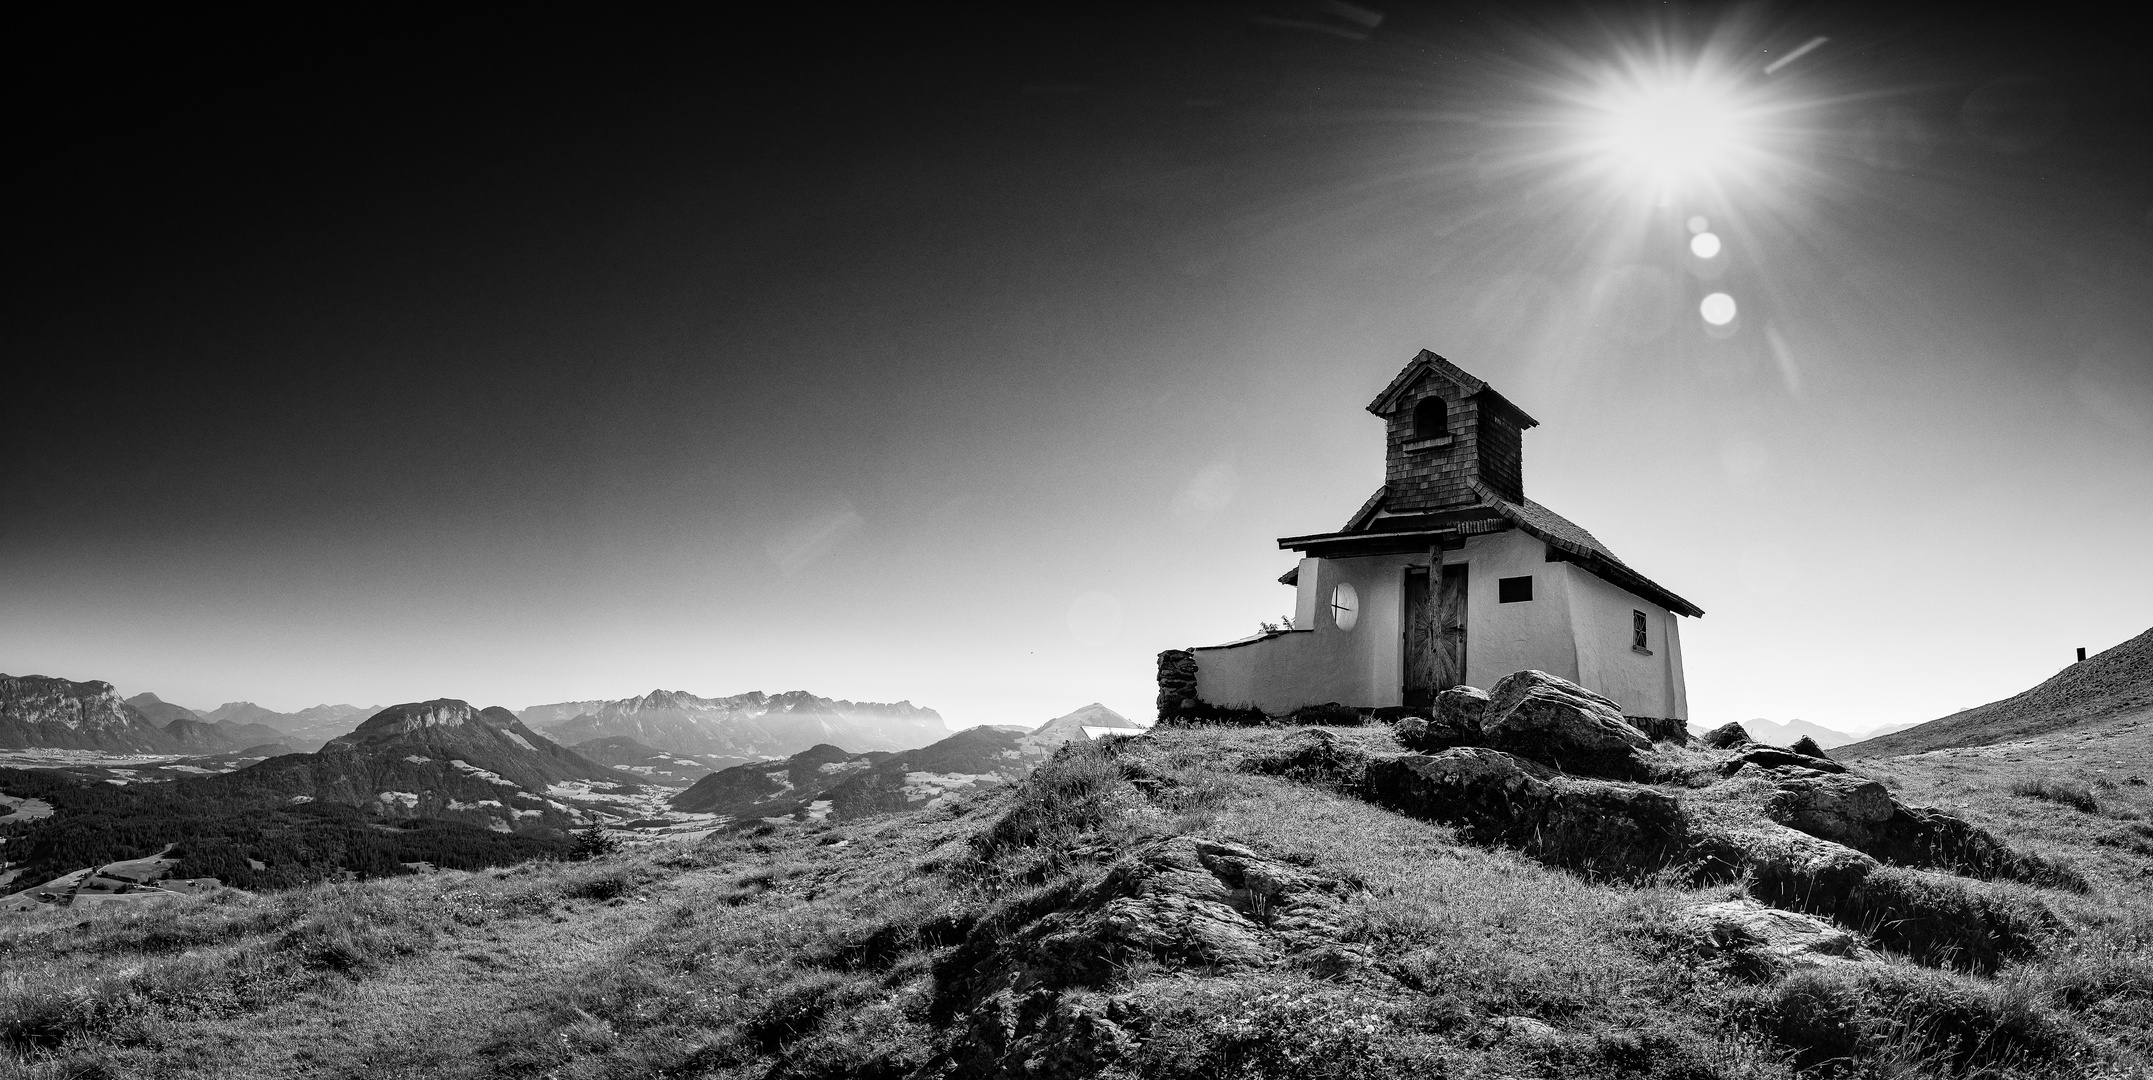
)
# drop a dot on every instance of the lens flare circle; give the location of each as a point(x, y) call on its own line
point(1717, 309)
point(1704, 245)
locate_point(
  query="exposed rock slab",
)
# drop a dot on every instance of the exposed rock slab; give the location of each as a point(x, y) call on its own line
point(1769, 941)
point(1183, 902)
point(1556, 722)
point(1493, 797)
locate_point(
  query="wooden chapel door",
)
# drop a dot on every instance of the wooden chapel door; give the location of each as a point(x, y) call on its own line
point(1450, 633)
point(1421, 631)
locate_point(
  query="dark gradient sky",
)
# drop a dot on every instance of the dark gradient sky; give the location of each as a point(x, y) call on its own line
point(973, 360)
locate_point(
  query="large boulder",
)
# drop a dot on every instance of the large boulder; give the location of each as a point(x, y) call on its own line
point(1556, 722)
point(1464, 708)
point(1807, 747)
point(1601, 828)
point(1841, 808)
point(1454, 721)
point(1727, 736)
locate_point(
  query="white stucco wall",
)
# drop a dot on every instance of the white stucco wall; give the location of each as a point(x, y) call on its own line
point(1319, 662)
point(1576, 626)
point(1502, 638)
point(1644, 685)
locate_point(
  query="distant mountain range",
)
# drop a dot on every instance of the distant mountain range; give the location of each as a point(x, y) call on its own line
point(702, 733)
point(442, 760)
point(306, 729)
point(437, 781)
point(745, 727)
point(1773, 733)
point(2110, 684)
point(826, 780)
point(243, 723)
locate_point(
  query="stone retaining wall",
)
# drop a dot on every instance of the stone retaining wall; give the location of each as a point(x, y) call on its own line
point(1178, 703)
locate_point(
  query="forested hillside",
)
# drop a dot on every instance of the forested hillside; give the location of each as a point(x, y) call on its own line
point(224, 830)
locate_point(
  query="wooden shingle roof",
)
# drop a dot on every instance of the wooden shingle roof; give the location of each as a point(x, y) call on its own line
point(1566, 540)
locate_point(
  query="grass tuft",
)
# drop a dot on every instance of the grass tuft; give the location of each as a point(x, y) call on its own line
point(2069, 793)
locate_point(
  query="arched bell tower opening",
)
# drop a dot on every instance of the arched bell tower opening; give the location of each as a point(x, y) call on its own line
point(1431, 418)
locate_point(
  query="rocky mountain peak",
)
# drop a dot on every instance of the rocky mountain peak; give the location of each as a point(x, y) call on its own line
point(404, 719)
point(492, 740)
point(40, 710)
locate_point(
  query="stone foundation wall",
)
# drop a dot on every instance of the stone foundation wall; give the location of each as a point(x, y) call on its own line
point(1177, 684)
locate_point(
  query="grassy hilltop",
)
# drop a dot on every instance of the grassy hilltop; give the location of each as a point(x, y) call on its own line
point(1049, 930)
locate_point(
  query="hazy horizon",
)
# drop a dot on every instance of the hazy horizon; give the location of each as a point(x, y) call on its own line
point(1145, 718)
point(919, 359)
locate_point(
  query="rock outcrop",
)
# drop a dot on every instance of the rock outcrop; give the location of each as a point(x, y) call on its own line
point(1837, 807)
point(1186, 902)
point(1765, 942)
point(1556, 722)
point(1596, 827)
point(41, 711)
point(1806, 835)
point(1727, 736)
point(1454, 721)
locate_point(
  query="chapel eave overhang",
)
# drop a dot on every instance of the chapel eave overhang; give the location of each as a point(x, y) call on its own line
point(1372, 532)
point(1342, 545)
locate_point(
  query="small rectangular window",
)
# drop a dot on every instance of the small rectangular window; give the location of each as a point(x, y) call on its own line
point(1637, 630)
point(1513, 590)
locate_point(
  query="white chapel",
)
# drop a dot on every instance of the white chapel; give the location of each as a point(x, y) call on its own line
point(1447, 576)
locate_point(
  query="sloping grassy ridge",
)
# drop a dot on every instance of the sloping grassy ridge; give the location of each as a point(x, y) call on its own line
point(1197, 903)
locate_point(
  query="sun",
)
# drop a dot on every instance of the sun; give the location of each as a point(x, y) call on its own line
point(1669, 129)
